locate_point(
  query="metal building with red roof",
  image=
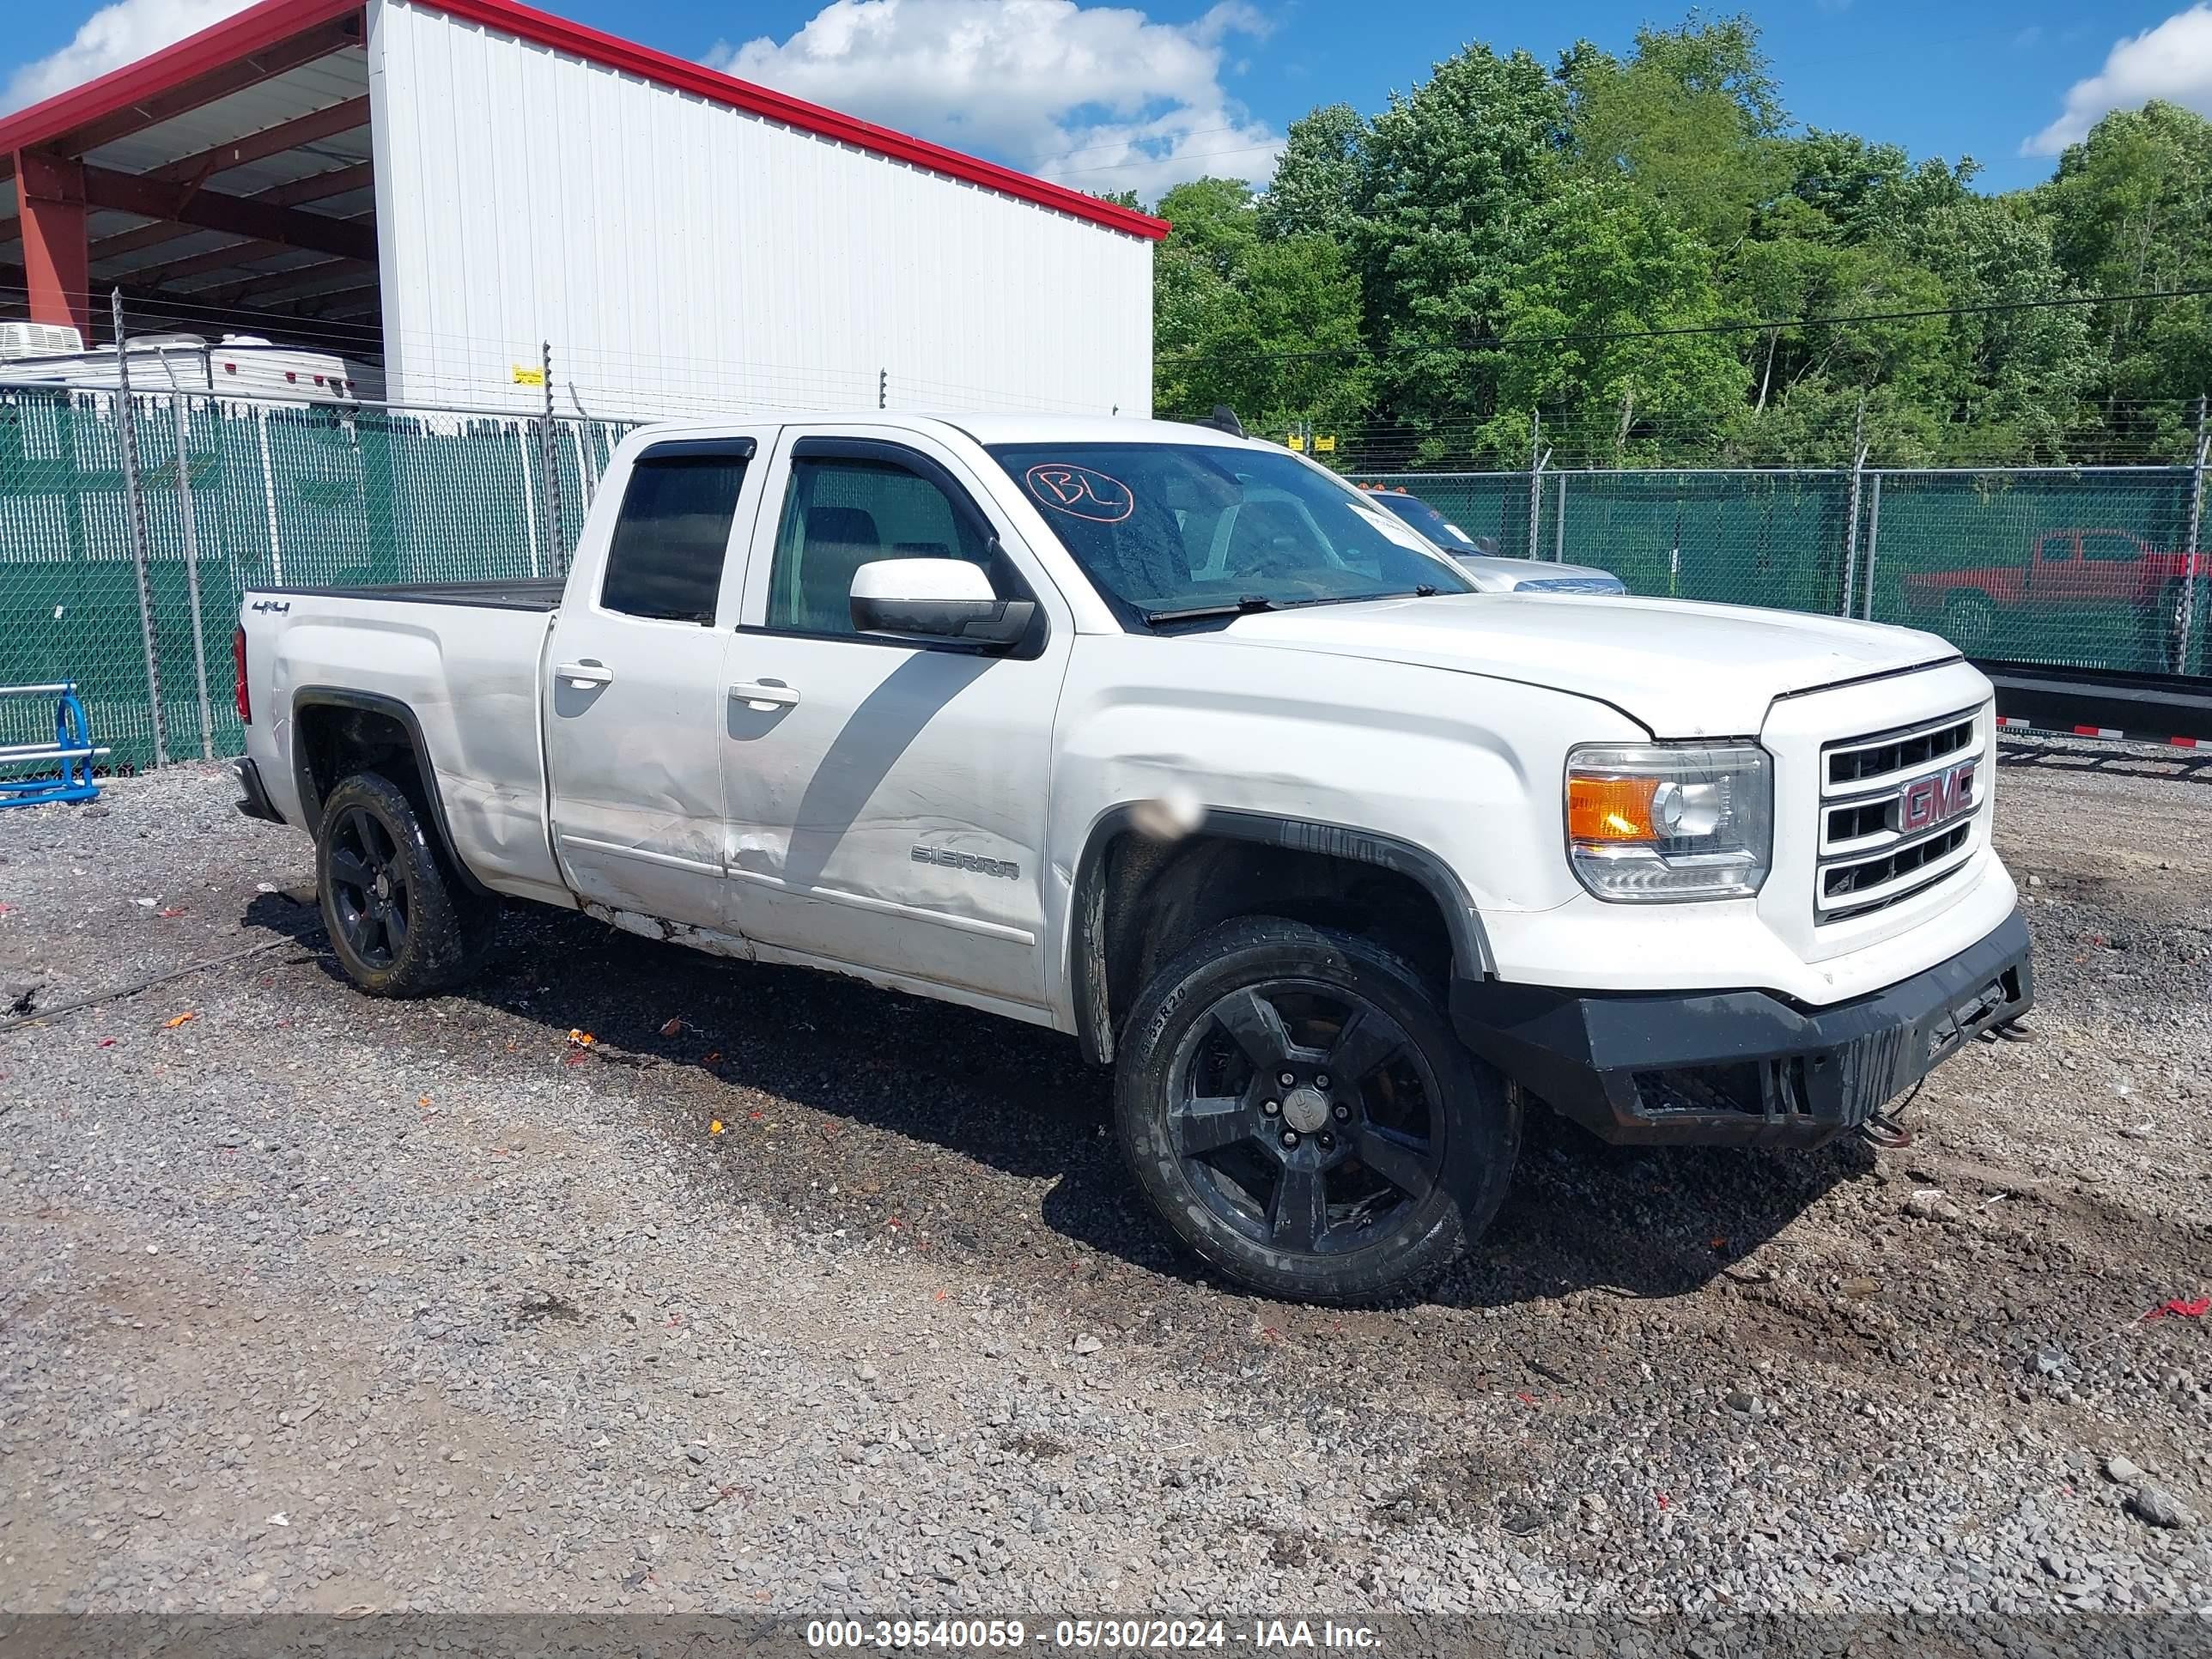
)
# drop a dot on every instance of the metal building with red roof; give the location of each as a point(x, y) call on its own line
point(444, 184)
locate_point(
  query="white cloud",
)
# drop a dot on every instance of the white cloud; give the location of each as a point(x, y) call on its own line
point(112, 37)
point(2172, 62)
point(1097, 97)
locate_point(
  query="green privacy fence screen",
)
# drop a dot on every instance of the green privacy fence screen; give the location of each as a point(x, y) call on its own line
point(2086, 567)
point(280, 494)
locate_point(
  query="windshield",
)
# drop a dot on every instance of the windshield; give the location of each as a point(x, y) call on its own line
point(1426, 519)
point(1166, 529)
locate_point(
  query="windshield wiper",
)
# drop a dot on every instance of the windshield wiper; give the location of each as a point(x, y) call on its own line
point(1250, 604)
point(1422, 591)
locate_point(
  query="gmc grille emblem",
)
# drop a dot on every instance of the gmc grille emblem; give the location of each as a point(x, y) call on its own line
point(1926, 802)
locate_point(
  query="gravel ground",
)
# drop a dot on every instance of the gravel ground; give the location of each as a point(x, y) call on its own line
point(827, 1300)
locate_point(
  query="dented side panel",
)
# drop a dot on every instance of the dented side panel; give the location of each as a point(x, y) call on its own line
point(469, 674)
point(895, 816)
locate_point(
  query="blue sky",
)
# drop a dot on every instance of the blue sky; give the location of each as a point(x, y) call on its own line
point(1141, 96)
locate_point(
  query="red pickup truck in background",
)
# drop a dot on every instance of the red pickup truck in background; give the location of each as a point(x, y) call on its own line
point(2069, 570)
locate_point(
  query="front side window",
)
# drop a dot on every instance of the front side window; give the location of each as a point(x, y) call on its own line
point(841, 513)
point(665, 561)
point(1167, 530)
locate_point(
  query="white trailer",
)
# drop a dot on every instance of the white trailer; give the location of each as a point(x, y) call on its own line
point(238, 365)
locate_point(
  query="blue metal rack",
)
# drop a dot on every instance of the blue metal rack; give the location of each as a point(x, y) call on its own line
point(72, 752)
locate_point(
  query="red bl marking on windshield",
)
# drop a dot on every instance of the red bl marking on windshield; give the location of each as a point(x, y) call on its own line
point(1081, 491)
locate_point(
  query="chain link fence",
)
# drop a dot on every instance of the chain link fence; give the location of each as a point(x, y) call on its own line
point(2083, 567)
point(276, 495)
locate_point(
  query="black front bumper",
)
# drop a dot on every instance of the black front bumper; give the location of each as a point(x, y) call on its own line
point(1741, 1068)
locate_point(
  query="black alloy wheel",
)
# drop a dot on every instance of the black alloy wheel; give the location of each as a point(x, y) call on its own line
point(403, 922)
point(1307, 1118)
point(1294, 1102)
point(371, 895)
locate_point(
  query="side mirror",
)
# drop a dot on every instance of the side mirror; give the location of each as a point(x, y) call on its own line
point(1486, 546)
point(936, 601)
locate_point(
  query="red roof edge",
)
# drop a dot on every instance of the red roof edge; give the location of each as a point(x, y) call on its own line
point(240, 35)
point(261, 26)
point(510, 17)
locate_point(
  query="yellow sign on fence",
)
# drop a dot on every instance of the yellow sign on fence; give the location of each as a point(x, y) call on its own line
point(529, 376)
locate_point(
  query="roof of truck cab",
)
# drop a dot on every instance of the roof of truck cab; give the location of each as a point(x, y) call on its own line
point(984, 427)
point(1019, 428)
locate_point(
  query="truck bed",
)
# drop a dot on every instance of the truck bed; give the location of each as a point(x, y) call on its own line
point(519, 593)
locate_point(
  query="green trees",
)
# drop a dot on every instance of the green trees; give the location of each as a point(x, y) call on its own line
point(1604, 273)
point(2130, 211)
point(1644, 251)
point(1269, 325)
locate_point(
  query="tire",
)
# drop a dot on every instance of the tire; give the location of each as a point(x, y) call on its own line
point(1362, 1184)
point(1970, 622)
point(400, 922)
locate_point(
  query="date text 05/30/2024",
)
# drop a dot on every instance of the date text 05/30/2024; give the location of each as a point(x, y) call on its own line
point(1111, 1634)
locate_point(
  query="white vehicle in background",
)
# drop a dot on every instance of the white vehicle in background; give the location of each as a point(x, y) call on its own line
point(241, 365)
point(1176, 743)
point(1493, 572)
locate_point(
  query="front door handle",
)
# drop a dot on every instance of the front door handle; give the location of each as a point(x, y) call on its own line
point(763, 694)
point(583, 674)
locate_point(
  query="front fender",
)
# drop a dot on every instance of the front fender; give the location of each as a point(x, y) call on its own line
point(1451, 778)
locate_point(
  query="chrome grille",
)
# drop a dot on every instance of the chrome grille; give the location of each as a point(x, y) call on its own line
point(1878, 846)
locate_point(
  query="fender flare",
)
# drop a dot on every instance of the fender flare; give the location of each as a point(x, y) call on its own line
point(1086, 964)
point(372, 702)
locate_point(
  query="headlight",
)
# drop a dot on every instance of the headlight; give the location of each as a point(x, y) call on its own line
point(1652, 822)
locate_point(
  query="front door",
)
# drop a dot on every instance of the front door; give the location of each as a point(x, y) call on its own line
point(633, 735)
point(887, 801)
point(2055, 578)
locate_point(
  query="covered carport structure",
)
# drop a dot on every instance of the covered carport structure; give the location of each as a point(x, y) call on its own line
point(441, 186)
point(228, 181)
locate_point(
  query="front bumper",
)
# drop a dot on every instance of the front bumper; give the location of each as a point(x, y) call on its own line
point(1741, 1068)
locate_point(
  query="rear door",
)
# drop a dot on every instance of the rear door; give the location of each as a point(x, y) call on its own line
point(887, 801)
point(633, 711)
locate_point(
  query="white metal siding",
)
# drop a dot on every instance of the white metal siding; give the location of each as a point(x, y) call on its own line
point(687, 257)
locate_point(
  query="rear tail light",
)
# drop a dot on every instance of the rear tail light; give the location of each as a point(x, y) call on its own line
point(238, 656)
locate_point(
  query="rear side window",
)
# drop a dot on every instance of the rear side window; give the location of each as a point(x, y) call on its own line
point(666, 560)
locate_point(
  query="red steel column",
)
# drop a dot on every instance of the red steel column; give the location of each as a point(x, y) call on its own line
point(50, 196)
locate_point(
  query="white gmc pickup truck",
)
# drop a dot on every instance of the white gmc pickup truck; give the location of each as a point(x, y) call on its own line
point(1174, 743)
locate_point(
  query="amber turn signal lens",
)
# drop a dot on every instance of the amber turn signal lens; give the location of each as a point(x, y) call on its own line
point(1611, 809)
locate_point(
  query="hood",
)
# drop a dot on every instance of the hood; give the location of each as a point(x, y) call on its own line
point(1683, 668)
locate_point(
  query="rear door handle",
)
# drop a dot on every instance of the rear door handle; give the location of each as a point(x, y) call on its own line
point(581, 674)
point(763, 694)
